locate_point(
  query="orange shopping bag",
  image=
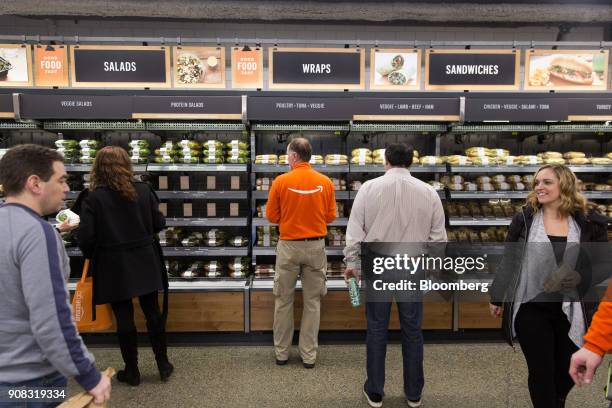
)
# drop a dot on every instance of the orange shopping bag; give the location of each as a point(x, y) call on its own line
point(82, 306)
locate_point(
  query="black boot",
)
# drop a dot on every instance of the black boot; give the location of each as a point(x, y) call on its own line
point(157, 336)
point(128, 343)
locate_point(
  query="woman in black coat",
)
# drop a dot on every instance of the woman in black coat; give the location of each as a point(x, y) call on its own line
point(556, 252)
point(119, 222)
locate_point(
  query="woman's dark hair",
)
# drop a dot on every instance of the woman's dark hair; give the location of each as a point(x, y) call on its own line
point(112, 168)
point(399, 154)
point(23, 161)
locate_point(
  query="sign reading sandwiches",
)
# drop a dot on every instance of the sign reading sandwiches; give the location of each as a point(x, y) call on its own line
point(566, 70)
point(472, 69)
point(120, 66)
point(316, 68)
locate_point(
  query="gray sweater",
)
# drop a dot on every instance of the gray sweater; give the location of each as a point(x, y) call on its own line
point(37, 334)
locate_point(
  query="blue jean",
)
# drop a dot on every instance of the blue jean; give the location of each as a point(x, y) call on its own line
point(53, 380)
point(411, 317)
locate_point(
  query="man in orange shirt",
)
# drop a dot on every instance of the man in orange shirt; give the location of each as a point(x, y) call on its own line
point(597, 342)
point(302, 202)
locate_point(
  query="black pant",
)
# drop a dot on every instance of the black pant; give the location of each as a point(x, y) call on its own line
point(542, 329)
point(124, 312)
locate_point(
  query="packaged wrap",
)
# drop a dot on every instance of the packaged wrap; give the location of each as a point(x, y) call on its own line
point(236, 160)
point(361, 152)
point(436, 185)
point(164, 151)
point(458, 160)
point(238, 241)
point(213, 269)
point(573, 155)
point(89, 143)
point(138, 143)
point(555, 160)
point(238, 267)
point(601, 161)
point(237, 144)
point(212, 160)
point(452, 179)
point(578, 161)
point(195, 270)
point(214, 238)
point(140, 152)
point(431, 161)
point(361, 160)
point(550, 155)
point(189, 144)
point(166, 159)
point(188, 152)
point(477, 152)
point(188, 159)
point(66, 144)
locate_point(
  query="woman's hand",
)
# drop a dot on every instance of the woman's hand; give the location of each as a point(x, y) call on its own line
point(495, 310)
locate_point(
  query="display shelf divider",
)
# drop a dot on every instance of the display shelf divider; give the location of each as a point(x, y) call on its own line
point(238, 168)
point(207, 222)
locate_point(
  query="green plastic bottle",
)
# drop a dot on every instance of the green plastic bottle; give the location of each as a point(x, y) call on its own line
point(354, 292)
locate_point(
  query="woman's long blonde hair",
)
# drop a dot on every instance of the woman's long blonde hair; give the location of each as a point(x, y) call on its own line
point(572, 200)
point(112, 168)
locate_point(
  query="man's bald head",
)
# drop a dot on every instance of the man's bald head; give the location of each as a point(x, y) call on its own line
point(302, 148)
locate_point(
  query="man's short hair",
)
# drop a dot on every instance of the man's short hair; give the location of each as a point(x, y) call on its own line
point(399, 154)
point(23, 161)
point(302, 148)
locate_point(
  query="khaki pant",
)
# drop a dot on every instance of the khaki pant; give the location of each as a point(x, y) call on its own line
point(308, 259)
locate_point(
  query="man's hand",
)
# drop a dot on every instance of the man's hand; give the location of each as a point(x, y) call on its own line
point(351, 273)
point(102, 391)
point(495, 310)
point(583, 365)
point(66, 227)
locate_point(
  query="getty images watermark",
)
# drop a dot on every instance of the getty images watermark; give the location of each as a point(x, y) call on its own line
point(406, 264)
point(409, 271)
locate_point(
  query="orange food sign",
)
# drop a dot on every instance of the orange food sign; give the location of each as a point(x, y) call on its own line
point(51, 66)
point(247, 68)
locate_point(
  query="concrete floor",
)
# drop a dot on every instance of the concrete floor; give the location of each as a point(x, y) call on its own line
point(487, 375)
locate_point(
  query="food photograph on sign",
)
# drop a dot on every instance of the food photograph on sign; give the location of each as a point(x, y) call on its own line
point(14, 64)
point(394, 69)
point(556, 70)
point(199, 66)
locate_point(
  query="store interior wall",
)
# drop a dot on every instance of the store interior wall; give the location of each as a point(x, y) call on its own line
point(235, 31)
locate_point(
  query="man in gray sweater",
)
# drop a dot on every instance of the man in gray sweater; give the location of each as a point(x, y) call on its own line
point(39, 343)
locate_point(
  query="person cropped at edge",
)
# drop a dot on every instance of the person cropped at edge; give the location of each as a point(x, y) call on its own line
point(545, 308)
point(395, 207)
point(39, 344)
point(119, 222)
point(302, 202)
point(597, 342)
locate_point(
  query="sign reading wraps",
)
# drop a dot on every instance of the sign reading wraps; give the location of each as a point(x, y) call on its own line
point(589, 109)
point(187, 107)
point(515, 110)
point(270, 108)
point(120, 67)
point(444, 109)
point(316, 68)
point(34, 106)
point(472, 69)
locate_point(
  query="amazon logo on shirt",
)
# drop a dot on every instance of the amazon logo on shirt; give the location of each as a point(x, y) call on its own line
point(319, 189)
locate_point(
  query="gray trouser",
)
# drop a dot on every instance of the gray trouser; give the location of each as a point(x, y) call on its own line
point(307, 259)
